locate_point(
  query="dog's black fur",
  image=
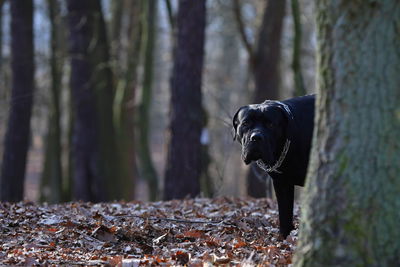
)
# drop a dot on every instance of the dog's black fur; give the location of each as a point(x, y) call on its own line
point(262, 130)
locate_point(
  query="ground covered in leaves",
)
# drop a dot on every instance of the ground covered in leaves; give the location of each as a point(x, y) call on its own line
point(223, 231)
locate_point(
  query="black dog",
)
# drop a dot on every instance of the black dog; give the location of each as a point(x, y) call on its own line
point(277, 135)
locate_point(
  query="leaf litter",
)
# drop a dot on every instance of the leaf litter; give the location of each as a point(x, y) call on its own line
point(193, 232)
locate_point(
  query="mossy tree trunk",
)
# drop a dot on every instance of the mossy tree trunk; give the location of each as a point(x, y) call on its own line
point(96, 159)
point(147, 169)
point(118, 11)
point(51, 187)
point(124, 102)
point(351, 205)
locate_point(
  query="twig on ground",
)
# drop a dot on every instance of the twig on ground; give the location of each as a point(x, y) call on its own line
point(171, 219)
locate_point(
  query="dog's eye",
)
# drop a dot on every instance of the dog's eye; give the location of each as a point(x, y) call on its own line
point(245, 123)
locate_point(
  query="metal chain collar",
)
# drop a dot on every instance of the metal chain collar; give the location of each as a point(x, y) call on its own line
point(285, 150)
point(286, 147)
point(279, 162)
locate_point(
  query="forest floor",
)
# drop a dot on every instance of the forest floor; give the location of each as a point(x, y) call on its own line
point(193, 232)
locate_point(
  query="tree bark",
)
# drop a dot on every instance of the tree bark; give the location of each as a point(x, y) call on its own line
point(117, 14)
point(265, 67)
point(1, 40)
point(228, 87)
point(16, 141)
point(299, 88)
point(184, 149)
point(237, 10)
point(146, 167)
point(124, 103)
point(351, 204)
point(171, 16)
point(51, 188)
point(267, 52)
point(96, 160)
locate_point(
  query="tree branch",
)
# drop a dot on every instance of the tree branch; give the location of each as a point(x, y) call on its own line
point(171, 219)
point(241, 27)
point(171, 16)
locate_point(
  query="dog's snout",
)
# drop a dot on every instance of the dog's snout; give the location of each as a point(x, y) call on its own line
point(256, 137)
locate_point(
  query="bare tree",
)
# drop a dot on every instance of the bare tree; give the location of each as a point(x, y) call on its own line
point(1, 38)
point(296, 61)
point(126, 72)
point(186, 115)
point(147, 167)
point(51, 188)
point(96, 160)
point(118, 13)
point(264, 57)
point(16, 141)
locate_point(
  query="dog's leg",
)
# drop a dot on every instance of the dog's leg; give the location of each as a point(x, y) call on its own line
point(285, 196)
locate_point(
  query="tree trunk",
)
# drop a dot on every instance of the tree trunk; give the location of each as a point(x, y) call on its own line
point(186, 115)
point(1, 44)
point(16, 142)
point(171, 16)
point(222, 98)
point(117, 15)
point(268, 52)
point(146, 167)
point(5, 70)
point(96, 161)
point(51, 188)
point(265, 67)
point(351, 204)
point(69, 179)
point(124, 103)
point(299, 88)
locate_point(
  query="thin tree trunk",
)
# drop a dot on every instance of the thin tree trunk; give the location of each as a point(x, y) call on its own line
point(5, 73)
point(103, 81)
point(69, 180)
point(225, 95)
point(171, 16)
point(351, 205)
point(147, 168)
point(124, 103)
point(1, 42)
point(265, 67)
point(237, 10)
point(51, 188)
point(184, 150)
point(85, 138)
point(296, 62)
point(117, 14)
point(268, 53)
point(96, 161)
point(16, 141)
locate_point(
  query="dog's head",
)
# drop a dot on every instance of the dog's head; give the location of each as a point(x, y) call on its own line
point(262, 130)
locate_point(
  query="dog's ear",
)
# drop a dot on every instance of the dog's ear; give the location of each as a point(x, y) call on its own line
point(235, 123)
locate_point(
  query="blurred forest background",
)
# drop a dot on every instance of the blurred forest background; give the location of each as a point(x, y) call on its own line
point(133, 99)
